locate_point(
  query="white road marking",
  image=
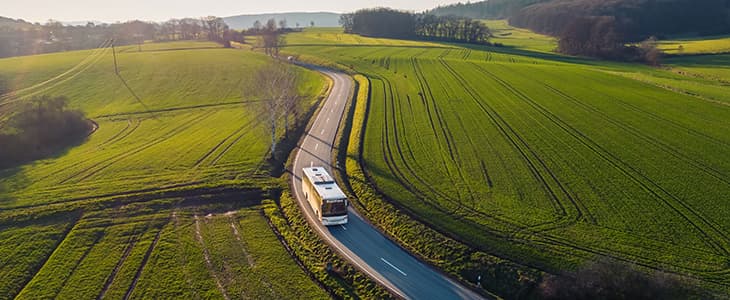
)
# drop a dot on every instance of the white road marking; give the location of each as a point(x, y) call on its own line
point(311, 164)
point(322, 132)
point(343, 227)
point(327, 121)
point(316, 146)
point(385, 261)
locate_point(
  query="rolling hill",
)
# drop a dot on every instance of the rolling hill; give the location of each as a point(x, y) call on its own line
point(162, 201)
point(304, 19)
point(547, 160)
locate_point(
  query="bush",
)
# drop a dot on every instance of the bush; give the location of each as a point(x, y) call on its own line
point(41, 127)
point(606, 279)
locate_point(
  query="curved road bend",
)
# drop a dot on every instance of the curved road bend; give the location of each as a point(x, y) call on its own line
point(358, 241)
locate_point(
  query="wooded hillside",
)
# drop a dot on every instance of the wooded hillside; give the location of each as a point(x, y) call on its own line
point(636, 19)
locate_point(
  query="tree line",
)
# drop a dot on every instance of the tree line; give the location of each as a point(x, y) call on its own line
point(391, 23)
point(601, 37)
point(635, 20)
point(23, 38)
point(605, 29)
point(40, 127)
point(492, 9)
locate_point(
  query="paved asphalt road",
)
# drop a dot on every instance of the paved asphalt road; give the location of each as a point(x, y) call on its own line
point(358, 241)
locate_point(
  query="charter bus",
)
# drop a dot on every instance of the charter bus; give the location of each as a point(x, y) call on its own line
point(326, 198)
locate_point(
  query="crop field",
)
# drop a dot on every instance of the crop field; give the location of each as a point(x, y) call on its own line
point(549, 162)
point(705, 77)
point(520, 38)
point(177, 123)
point(703, 45)
point(97, 220)
point(128, 252)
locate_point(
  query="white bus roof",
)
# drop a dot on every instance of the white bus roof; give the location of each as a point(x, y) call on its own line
point(324, 183)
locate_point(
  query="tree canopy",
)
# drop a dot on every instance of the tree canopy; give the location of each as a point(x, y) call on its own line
point(40, 127)
point(53, 36)
point(391, 23)
point(635, 19)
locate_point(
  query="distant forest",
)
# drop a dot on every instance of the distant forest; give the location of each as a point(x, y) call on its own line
point(391, 23)
point(492, 9)
point(635, 20)
point(18, 37)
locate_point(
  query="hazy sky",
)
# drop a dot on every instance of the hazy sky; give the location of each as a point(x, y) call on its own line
point(160, 10)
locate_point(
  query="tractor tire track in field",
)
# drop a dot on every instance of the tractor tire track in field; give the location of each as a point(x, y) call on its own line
point(717, 174)
point(215, 148)
point(206, 257)
point(130, 245)
point(717, 238)
point(389, 158)
point(548, 240)
point(45, 89)
point(399, 150)
point(94, 54)
point(672, 123)
point(238, 139)
point(720, 243)
point(142, 265)
point(97, 238)
point(234, 228)
point(427, 92)
point(124, 134)
point(655, 116)
point(60, 168)
point(183, 259)
point(458, 160)
point(579, 206)
point(107, 163)
point(112, 138)
point(534, 167)
point(73, 224)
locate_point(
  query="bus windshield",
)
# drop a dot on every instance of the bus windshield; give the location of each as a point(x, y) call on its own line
point(332, 209)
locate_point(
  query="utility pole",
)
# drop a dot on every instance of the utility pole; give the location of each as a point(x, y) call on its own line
point(114, 52)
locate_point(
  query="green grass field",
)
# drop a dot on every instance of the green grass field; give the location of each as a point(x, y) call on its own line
point(175, 253)
point(191, 123)
point(697, 45)
point(96, 221)
point(547, 161)
point(520, 38)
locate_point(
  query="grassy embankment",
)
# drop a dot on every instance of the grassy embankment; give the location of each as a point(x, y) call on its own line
point(545, 160)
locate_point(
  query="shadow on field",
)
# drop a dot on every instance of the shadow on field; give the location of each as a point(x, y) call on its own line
point(276, 162)
point(701, 60)
point(16, 170)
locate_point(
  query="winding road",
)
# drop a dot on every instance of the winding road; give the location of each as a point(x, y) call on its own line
point(358, 241)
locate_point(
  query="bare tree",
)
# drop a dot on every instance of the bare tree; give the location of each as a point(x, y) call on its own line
point(282, 24)
point(271, 38)
point(215, 27)
point(257, 26)
point(652, 54)
point(276, 86)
